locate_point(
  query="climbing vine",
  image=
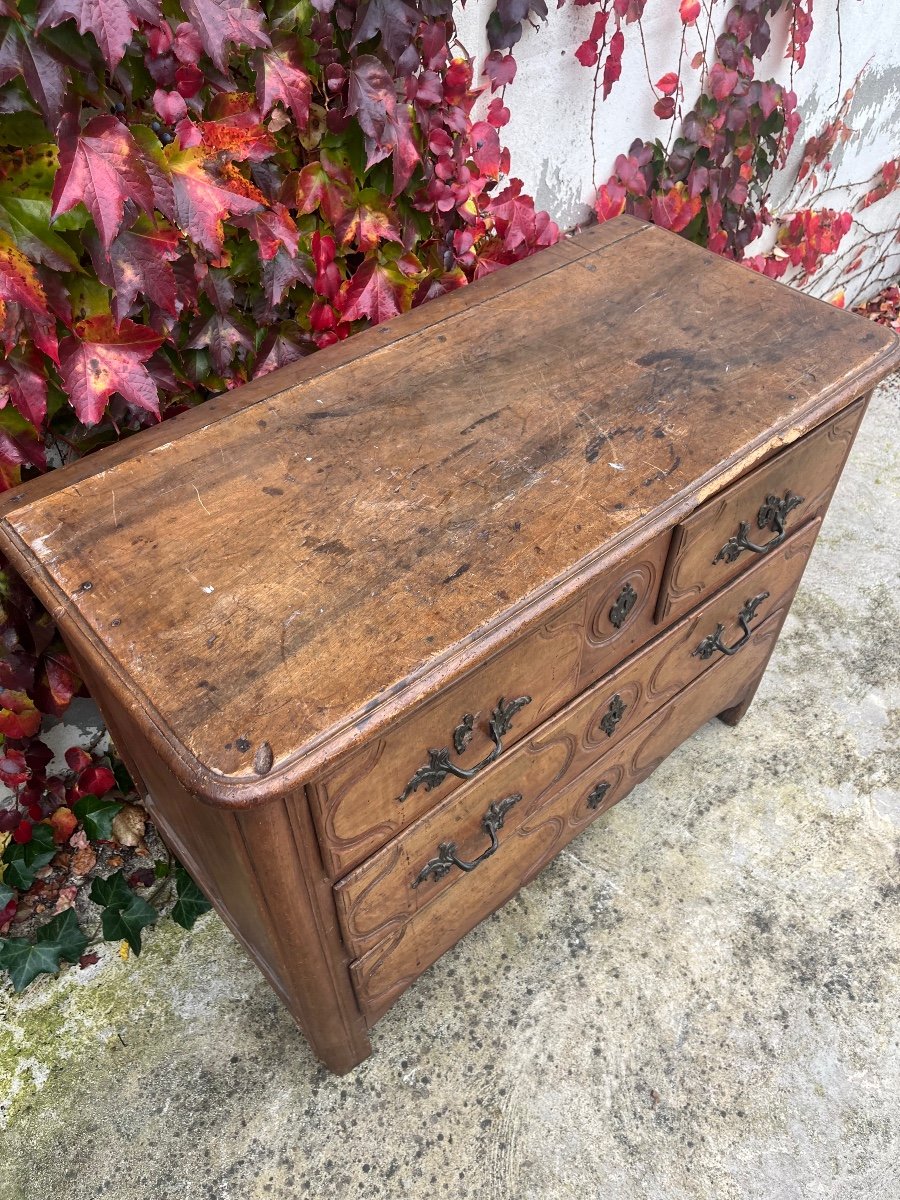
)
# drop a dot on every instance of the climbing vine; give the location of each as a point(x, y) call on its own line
point(193, 193)
point(709, 176)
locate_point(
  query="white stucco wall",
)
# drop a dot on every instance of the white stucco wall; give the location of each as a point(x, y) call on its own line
point(551, 99)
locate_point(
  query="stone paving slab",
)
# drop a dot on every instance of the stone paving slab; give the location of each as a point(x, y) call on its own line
point(699, 1000)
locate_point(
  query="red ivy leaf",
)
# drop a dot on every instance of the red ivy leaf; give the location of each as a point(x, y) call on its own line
point(202, 203)
point(313, 188)
point(19, 283)
point(372, 293)
point(222, 336)
point(367, 223)
point(45, 78)
point(240, 136)
point(371, 97)
point(16, 452)
point(668, 84)
point(674, 209)
point(587, 54)
point(99, 359)
point(112, 22)
point(138, 262)
point(279, 274)
point(281, 78)
point(24, 384)
point(219, 22)
point(610, 201)
point(689, 11)
point(104, 167)
point(63, 822)
point(612, 68)
point(271, 229)
point(500, 69)
point(722, 82)
point(13, 768)
point(170, 106)
point(18, 716)
point(514, 216)
point(395, 20)
point(94, 780)
point(57, 682)
point(277, 350)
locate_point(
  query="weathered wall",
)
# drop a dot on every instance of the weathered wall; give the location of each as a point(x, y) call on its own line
point(551, 100)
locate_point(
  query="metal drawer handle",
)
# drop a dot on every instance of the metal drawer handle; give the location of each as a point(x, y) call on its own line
point(613, 715)
point(491, 823)
point(625, 602)
point(439, 766)
point(773, 514)
point(598, 794)
point(713, 641)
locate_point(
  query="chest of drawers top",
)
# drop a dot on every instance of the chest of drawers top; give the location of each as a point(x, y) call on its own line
point(271, 579)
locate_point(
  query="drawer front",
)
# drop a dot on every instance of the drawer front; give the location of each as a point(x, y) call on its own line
point(542, 829)
point(389, 783)
point(379, 895)
point(746, 521)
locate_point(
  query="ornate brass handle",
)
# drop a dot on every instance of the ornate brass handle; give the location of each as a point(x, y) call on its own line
point(773, 514)
point(447, 858)
point(713, 641)
point(439, 766)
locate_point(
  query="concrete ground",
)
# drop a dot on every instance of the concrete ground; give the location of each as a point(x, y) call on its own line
point(699, 1000)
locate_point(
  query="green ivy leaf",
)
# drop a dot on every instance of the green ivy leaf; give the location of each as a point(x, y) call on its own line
point(23, 861)
point(24, 960)
point(96, 815)
point(124, 782)
point(6, 894)
point(65, 934)
point(191, 902)
point(60, 938)
point(112, 892)
point(124, 914)
point(126, 923)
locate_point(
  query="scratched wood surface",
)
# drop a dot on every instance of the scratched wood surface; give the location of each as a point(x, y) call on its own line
point(386, 970)
point(267, 585)
point(808, 472)
point(379, 895)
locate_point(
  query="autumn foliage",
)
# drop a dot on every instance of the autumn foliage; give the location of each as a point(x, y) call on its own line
point(193, 193)
point(192, 197)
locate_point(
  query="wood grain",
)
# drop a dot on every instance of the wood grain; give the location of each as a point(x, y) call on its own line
point(356, 806)
point(466, 477)
point(378, 896)
point(809, 470)
point(390, 967)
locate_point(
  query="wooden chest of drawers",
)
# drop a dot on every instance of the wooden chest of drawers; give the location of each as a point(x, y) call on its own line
point(380, 633)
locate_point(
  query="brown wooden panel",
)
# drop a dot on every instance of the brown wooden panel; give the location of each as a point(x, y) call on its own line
point(356, 806)
point(391, 966)
point(262, 871)
point(606, 643)
point(700, 561)
point(293, 573)
point(378, 896)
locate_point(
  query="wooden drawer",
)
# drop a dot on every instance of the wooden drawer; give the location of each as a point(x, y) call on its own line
point(538, 827)
point(379, 895)
point(710, 547)
point(358, 806)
